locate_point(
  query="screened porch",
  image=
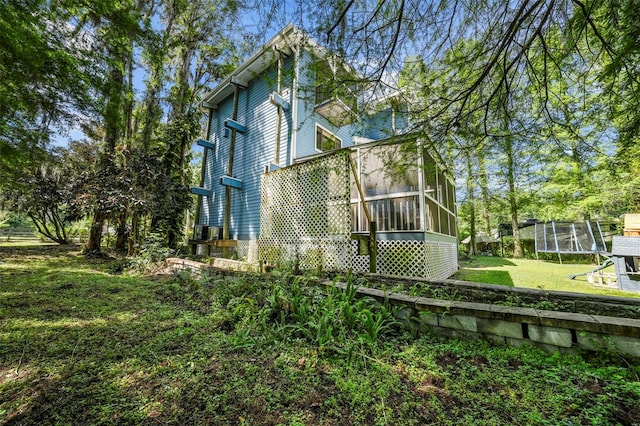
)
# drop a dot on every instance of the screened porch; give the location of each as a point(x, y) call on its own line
point(404, 190)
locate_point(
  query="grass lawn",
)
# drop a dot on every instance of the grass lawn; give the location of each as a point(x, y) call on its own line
point(530, 273)
point(81, 343)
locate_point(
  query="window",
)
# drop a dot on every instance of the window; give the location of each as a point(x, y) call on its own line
point(326, 141)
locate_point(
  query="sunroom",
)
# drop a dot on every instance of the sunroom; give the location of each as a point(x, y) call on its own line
point(323, 212)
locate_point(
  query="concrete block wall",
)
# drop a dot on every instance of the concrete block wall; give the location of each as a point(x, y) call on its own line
point(197, 268)
point(553, 331)
point(550, 330)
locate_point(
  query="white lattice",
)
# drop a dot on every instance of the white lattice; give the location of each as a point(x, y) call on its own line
point(305, 214)
point(359, 263)
point(247, 250)
point(441, 260)
point(401, 258)
point(305, 220)
point(411, 258)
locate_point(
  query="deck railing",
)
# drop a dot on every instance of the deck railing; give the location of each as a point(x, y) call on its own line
point(391, 212)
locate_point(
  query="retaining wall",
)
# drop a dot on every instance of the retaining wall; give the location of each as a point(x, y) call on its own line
point(550, 330)
point(216, 264)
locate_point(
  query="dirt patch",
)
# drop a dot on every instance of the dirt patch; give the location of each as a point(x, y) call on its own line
point(11, 375)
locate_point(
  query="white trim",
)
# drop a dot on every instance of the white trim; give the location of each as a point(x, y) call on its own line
point(315, 137)
point(359, 140)
point(294, 104)
point(286, 38)
point(421, 189)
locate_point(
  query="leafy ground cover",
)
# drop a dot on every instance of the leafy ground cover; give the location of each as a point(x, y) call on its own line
point(83, 343)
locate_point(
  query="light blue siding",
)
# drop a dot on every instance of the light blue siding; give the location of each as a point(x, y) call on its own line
point(379, 125)
point(253, 151)
point(385, 123)
point(212, 209)
point(307, 117)
point(256, 147)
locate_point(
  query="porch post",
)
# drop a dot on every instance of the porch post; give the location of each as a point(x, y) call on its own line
point(373, 247)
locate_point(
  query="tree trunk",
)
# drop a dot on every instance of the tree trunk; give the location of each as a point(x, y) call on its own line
point(472, 204)
point(115, 92)
point(40, 221)
point(95, 233)
point(484, 193)
point(512, 197)
point(121, 239)
point(133, 234)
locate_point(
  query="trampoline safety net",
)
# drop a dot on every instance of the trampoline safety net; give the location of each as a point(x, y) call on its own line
point(570, 237)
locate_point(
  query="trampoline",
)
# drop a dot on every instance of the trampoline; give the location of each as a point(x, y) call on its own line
point(572, 238)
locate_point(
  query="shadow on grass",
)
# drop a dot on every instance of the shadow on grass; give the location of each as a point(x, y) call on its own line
point(485, 262)
point(76, 342)
point(486, 277)
point(40, 250)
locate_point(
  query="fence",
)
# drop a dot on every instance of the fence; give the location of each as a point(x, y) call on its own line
point(8, 234)
point(305, 214)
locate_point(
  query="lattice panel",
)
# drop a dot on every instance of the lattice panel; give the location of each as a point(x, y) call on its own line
point(404, 258)
point(358, 263)
point(331, 254)
point(434, 260)
point(305, 214)
point(441, 260)
point(247, 250)
point(305, 219)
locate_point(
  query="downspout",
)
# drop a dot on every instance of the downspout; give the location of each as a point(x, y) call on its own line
point(227, 189)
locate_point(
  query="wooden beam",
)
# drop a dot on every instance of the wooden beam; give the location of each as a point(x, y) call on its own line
point(227, 189)
point(373, 247)
point(201, 191)
point(234, 125)
point(357, 180)
point(215, 243)
point(205, 143)
point(231, 181)
point(279, 101)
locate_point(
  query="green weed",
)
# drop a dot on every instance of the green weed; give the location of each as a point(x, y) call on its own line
point(82, 345)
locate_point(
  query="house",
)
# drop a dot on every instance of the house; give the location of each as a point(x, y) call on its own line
point(295, 170)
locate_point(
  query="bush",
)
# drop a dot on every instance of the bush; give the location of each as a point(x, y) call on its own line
point(152, 251)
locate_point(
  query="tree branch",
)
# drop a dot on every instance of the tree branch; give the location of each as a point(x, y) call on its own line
point(341, 17)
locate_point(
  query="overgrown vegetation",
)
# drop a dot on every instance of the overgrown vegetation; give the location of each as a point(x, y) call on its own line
point(80, 344)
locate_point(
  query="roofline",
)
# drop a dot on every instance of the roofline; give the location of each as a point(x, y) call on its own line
point(238, 76)
point(285, 41)
point(418, 137)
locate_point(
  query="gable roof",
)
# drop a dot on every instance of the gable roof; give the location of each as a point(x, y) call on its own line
point(284, 42)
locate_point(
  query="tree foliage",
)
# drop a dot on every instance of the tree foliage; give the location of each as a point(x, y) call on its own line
point(557, 79)
point(71, 63)
point(533, 103)
point(44, 70)
point(43, 194)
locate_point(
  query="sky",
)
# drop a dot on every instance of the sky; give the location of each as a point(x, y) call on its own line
point(250, 22)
